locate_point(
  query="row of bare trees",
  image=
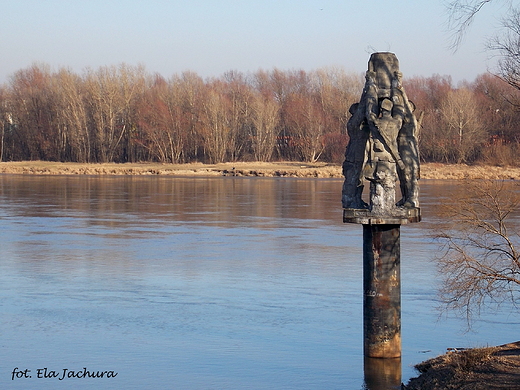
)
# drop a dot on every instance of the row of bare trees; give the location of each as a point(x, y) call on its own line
point(475, 122)
point(124, 114)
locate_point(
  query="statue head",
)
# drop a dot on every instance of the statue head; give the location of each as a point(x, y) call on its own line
point(396, 81)
point(370, 76)
point(386, 105)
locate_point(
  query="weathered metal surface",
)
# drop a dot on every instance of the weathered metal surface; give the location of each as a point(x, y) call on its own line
point(381, 291)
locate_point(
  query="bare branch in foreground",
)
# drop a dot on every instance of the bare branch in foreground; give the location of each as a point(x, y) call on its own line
point(461, 14)
point(480, 260)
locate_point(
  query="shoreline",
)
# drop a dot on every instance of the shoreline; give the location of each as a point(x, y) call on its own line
point(433, 171)
point(475, 368)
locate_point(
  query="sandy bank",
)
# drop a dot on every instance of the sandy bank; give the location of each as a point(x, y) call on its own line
point(275, 169)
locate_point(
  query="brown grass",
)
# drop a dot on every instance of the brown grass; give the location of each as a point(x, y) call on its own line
point(295, 169)
point(274, 169)
point(478, 368)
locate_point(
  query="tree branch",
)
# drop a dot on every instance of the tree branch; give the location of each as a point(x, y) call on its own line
point(461, 14)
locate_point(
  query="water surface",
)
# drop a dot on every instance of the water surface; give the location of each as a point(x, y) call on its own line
point(203, 283)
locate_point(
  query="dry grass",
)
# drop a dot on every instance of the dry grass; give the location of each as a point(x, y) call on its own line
point(478, 368)
point(294, 169)
point(459, 362)
point(274, 169)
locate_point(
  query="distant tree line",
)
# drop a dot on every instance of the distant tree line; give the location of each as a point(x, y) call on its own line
point(124, 114)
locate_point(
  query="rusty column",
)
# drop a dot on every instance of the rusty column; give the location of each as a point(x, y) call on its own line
point(381, 291)
point(381, 279)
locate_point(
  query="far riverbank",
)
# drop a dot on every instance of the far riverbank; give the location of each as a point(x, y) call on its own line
point(272, 169)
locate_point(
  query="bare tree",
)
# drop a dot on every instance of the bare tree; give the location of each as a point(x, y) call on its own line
point(72, 116)
point(507, 45)
point(264, 111)
point(104, 108)
point(239, 94)
point(306, 121)
point(461, 14)
point(5, 120)
point(336, 92)
point(158, 122)
point(33, 110)
point(192, 95)
point(111, 93)
point(463, 132)
point(499, 104)
point(480, 264)
point(428, 95)
point(216, 129)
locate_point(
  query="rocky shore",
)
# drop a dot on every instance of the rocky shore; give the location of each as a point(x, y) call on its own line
point(274, 169)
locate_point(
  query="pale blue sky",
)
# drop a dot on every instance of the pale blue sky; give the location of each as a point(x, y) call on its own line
point(211, 37)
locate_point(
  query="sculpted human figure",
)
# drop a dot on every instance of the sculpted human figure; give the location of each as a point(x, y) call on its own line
point(382, 149)
point(356, 154)
point(384, 156)
point(408, 148)
point(355, 157)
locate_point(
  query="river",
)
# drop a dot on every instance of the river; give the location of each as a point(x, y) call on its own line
point(203, 283)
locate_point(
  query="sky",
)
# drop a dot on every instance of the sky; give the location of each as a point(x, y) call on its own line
point(211, 37)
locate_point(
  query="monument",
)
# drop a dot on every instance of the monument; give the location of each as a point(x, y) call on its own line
point(382, 151)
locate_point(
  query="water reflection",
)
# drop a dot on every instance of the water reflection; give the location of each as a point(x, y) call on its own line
point(221, 200)
point(382, 374)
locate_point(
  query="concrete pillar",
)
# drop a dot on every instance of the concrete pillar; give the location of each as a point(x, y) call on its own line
point(381, 291)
